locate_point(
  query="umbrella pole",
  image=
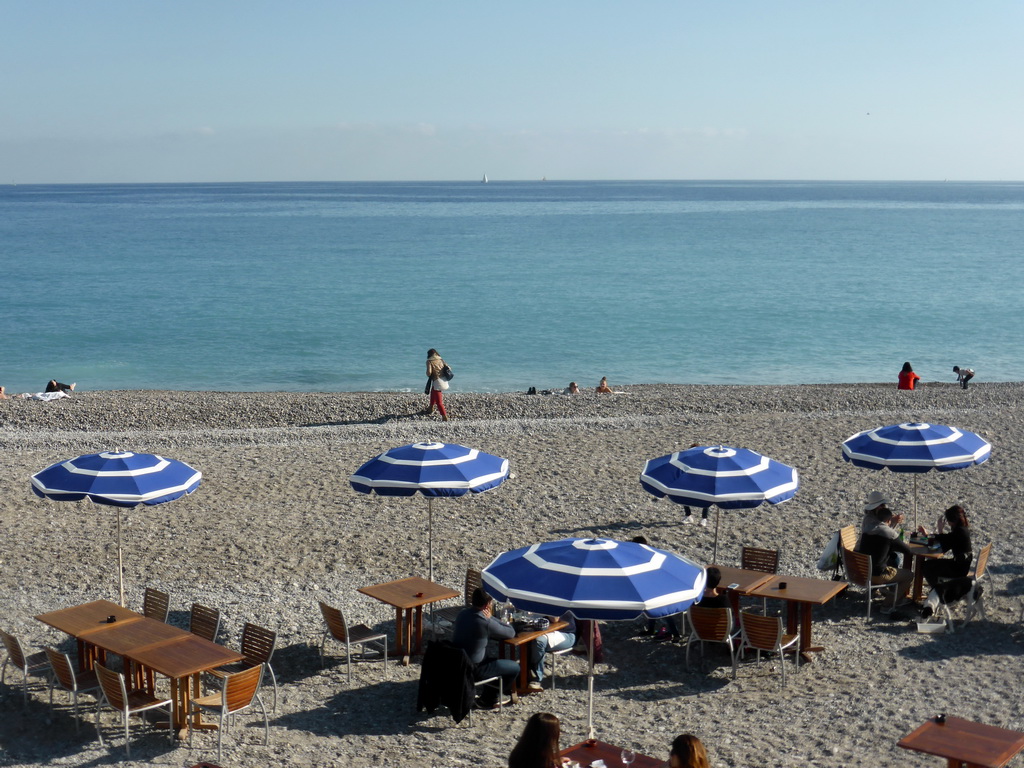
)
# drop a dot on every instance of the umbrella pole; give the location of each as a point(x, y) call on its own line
point(120, 564)
point(590, 684)
point(915, 501)
point(430, 536)
point(714, 551)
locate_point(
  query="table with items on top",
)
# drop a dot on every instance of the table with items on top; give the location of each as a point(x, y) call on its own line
point(407, 597)
point(591, 751)
point(963, 742)
point(801, 595)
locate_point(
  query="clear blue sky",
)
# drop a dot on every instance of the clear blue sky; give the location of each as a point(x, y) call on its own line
point(209, 90)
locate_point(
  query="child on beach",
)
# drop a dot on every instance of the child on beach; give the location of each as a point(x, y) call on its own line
point(907, 377)
point(963, 375)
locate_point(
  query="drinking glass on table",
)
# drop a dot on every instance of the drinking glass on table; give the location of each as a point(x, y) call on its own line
point(628, 756)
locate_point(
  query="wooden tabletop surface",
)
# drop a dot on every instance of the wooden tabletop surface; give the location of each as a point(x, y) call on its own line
point(744, 579)
point(586, 752)
point(80, 620)
point(964, 740)
point(800, 589)
point(409, 593)
point(525, 637)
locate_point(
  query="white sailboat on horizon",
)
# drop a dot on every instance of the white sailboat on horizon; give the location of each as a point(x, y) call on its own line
point(484, 180)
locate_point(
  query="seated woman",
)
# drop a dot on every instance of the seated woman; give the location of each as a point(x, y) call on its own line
point(907, 378)
point(958, 541)
point(603, 388)
point(688, 752)
point(538, 746)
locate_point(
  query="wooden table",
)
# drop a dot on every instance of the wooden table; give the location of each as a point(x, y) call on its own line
point(148, 645)
point(921, 553)
point(520, 642)
point(407, 597)
point(963, 742)
point(745, 580)
point(801, 595)
point(588, 751)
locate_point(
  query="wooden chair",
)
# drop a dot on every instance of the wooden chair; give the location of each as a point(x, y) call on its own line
point(761, 560)
point(450, 612)
point(858, 571)
point(71, 681)
point(360, 634)
point(764, 633)
point(115, 696)
point(33, 664)
point(847, 540)
point(711, 625)
point(204, 622)
point(257, 648)
point(974, 600)
point(238, 693)
point(156, 605)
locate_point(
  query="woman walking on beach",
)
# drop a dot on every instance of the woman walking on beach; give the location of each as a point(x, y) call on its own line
point(907, 377)
point(435, 384)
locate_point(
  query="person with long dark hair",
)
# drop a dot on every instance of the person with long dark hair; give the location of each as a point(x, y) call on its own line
point(957, 541)
point(907, 377)
point(688, 752)
point(538, 746)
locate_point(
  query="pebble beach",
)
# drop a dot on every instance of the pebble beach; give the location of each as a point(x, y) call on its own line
point(275, 527)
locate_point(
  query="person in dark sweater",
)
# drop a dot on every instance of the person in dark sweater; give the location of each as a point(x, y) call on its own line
point(957, 541)
point(474, 627)
point(878, 541)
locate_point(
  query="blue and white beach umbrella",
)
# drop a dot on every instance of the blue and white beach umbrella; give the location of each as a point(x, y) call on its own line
point(916, 447)
point(720, 476)
point(118, 479)
point(597, 579)
point(431, 469)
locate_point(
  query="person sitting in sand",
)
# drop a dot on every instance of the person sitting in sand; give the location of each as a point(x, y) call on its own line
point(538, 746)
point(3, 394)
point(963, 375)
point(603, 388)
point(714, 597)
point(55, 386)
point(688, 752)
point(474, 628)
point(879, 541)
point(572, 389)
point(907, 377)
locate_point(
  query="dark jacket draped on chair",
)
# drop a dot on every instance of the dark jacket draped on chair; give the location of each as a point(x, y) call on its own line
point(446, 677)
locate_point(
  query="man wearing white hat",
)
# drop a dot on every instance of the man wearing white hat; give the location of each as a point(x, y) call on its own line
point(878, 539)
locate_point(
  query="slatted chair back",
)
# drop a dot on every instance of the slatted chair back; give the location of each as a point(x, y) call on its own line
point(240, 688)
point(15, 655)
point(112, 685)
point(858, 567)
point(982, 564)
point(204, 622)
point(762, 560)
point(473, 580)
point(62, 669)
point(711, 624)
point(257, 644)
point(848, 537)
point(156, 604)
point(761, 632)
point(335, 621)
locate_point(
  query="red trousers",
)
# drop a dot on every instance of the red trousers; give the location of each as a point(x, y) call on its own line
point(437, 399)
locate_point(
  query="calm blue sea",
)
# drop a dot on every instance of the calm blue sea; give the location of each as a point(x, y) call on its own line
point(344, 286)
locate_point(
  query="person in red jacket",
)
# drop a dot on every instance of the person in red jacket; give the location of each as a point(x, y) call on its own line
point(907, 377)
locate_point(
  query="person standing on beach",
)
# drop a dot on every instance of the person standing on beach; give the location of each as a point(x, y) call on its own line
point(435, 384)
point(907, 377)
point(963, 375)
